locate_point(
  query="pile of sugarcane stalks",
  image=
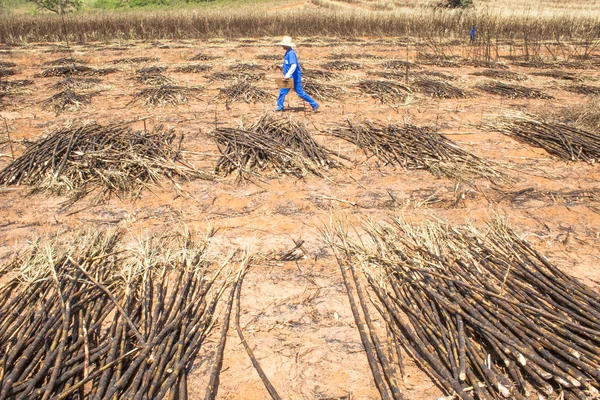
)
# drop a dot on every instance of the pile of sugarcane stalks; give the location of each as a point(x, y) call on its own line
point(391, 75)
point(283, 145)
point(7, 86)
point(342, 65)
point(561, 140)
point(113, 158)
point(166, 94)
point(243, 67)
point(353, 56)
point(65, 61)
point(567, 76)
point(319, 74)
point(135, 60)
point(436, 60)
point(4, 72)
point(75, 83)
point(414, 147)
point(230, 76)
point(587, 90)
point(92, 319)
point(439, 89)
point(154, 80)
point(151, 70)
point(386, 91)
point(67, 100)
point(193, 68)
point(269, 57)
point(483, 64)
point(500, 74)
point(321, 91)
point(243, 90)
point(75, 70)
point(436, 74)
point(400, 64)
point(206, 57)
point(566, 197)
point(512, 91)
point(537, 64)
point(482, 312)
point(7, 64)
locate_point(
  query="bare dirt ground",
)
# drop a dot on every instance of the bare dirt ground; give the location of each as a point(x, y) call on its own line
point(296, 315)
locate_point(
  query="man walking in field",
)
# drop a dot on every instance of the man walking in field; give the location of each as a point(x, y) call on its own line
point(291, 70)
point(473, 34)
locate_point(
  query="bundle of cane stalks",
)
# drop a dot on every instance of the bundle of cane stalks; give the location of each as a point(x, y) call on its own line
point(67, 100)
point(561, 140)
point(115, 159)
point(165, 93)
point(512, 91)
point(243, 90)
point(414, 147)
point(485, 314)
point(386, 91)
point(281, 144)
point(89, 318)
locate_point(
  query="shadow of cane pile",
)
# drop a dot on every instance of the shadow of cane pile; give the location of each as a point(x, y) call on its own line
point(113, 159)
point(484, 313)
point(88, 317)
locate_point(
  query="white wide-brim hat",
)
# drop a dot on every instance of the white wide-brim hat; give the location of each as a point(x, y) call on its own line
point(286, 41)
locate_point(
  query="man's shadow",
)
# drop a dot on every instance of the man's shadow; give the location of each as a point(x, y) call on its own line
point(295, 109)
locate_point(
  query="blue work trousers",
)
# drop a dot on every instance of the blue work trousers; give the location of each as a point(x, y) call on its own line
point(299, 91)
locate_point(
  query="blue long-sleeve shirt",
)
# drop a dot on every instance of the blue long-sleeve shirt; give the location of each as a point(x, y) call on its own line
point(291, 68)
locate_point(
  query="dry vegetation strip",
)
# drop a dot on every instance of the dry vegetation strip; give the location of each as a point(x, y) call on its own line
point(244, 22)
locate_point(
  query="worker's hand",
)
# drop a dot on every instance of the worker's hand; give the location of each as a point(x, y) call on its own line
point(286, 80)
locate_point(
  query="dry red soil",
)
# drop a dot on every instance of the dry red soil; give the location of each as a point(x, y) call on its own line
point(296, 315)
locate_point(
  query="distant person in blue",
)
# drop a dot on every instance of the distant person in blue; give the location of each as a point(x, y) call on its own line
point(291, 70)
point(473, 34)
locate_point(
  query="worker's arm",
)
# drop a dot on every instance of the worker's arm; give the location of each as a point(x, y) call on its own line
point(290, 71)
